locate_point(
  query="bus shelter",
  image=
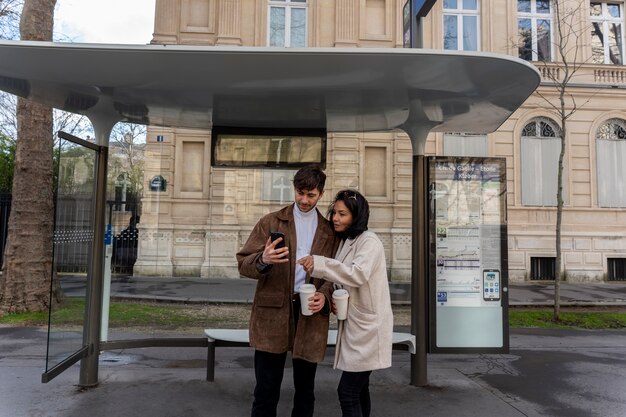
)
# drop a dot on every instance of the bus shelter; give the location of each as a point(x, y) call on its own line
point(263, 90)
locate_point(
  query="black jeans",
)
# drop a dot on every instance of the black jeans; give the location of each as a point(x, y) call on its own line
point(354, 394)
point(269, 369)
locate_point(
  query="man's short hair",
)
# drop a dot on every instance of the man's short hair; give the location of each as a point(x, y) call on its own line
point(309, 178)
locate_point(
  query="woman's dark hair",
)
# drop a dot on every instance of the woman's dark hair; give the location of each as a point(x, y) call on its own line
point(359, 208)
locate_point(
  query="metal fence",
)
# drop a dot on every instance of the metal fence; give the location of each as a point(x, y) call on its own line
point(73, 233)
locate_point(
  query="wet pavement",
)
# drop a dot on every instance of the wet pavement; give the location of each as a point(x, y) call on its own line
point(557, 373)
point(573, 373)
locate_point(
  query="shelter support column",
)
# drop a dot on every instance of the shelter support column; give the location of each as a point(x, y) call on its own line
point(419, 253)
point(88, 376)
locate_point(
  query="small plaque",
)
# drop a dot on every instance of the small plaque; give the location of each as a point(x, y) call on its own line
point(158, 184)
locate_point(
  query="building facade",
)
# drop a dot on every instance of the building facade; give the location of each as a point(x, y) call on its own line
point(195, 223)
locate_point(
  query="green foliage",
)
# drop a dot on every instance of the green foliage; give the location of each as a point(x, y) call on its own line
point(7, 163)
point(138, 315)
point(544, 319)
point(178, 316)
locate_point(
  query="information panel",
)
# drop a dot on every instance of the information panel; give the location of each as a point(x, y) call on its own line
point(468, 265)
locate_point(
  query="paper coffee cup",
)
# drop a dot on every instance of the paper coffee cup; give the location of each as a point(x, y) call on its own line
point(340, 297)
point(306, 291)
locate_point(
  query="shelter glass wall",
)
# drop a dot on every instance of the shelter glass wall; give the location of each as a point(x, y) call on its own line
point(194, 218)
point(73, 238)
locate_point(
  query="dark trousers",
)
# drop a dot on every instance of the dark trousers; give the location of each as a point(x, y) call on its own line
point(269, 369)
point(354, 394)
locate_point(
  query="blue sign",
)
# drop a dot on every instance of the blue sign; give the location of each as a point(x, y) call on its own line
point(108, 235)
point(442, 297)
point(422, 7)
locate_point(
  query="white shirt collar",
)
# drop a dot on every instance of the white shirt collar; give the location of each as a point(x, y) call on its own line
point(305, 216)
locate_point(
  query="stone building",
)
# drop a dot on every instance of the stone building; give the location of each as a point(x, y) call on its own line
point(194, 226)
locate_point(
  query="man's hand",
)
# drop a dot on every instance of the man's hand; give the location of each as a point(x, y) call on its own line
point(316, 302)
point(271, 255)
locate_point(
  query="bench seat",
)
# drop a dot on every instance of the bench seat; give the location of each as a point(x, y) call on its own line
point(240, 338)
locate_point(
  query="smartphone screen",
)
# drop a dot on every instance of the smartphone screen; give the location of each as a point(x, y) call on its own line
point(276, 235)
point(491, 285)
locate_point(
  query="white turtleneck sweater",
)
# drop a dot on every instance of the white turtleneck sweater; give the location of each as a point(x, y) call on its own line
point(306, 225)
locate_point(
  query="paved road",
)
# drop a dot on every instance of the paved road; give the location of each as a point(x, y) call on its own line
point(192, 290)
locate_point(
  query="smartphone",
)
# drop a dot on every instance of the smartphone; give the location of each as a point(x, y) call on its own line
point(491, 285)
point(276, 235)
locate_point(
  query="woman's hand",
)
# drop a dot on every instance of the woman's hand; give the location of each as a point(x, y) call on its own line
point(307, 263)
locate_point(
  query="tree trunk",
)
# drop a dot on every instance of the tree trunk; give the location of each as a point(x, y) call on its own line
point(559, 215)
point(559, 221)
point(25, 281)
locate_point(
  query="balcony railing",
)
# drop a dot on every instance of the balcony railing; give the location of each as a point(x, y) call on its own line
point(587, 74)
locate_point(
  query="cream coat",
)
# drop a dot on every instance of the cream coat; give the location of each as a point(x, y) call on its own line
point(364, 339)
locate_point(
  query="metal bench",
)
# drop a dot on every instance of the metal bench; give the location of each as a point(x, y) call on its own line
point(240, 338)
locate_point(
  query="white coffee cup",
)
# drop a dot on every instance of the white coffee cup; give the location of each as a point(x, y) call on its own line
point(340, 297)
point(306, 292)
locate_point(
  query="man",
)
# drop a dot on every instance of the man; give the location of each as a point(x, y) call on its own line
point(276, 324)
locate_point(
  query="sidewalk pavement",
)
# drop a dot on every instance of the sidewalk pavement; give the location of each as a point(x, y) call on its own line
point(224, 290)
point(573, 373)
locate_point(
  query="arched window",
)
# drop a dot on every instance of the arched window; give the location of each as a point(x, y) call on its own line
point(540, 146)
point(610, 160)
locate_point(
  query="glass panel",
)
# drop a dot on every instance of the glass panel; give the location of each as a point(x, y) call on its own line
point(597, 44)
point(463, 145)
point(615, 43)
point(606, 172)
point(298, 28)
point(450, 30)
point(530, 129)
point(277, 186)
point(525, 39)
point(470, 33)
point(550, 149)
point(470, 4)
point(531, 171)
point(546, 130)
point(277, 26)
point(267, 151)
point(523, 6)
point(613, 9)
point(468, 209)
point(611, 158)
point(543, 40)
point(620, 173)
point(596, 9)
point(449, 4)
point(543, 6)
point(73, 237)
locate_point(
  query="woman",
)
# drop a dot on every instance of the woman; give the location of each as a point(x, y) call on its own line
point(364, 339)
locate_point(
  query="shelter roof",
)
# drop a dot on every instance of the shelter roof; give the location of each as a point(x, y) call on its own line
point(356, 89)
